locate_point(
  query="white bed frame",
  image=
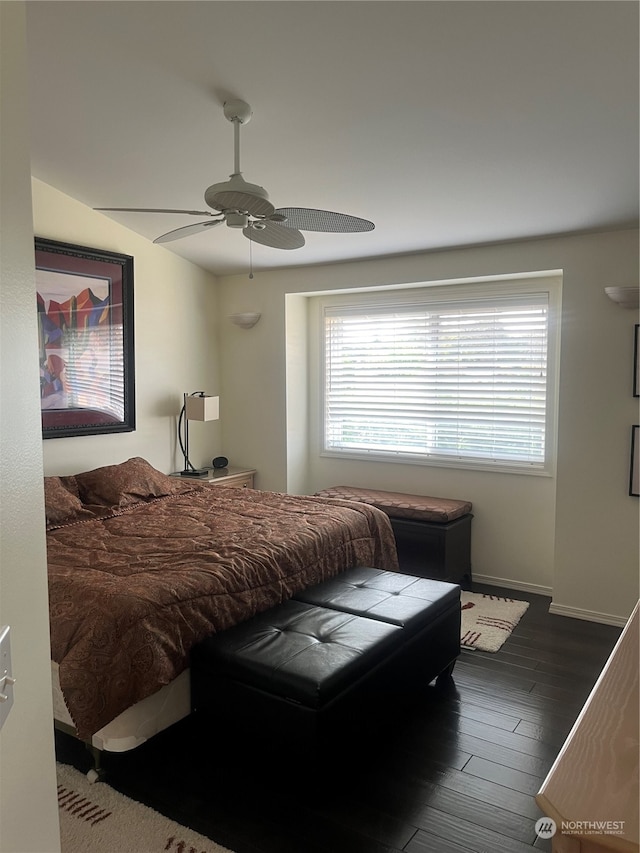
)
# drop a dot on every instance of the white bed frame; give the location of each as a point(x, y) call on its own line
point(133, 726)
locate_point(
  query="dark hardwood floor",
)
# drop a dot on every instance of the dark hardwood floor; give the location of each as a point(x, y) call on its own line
point(455, 770)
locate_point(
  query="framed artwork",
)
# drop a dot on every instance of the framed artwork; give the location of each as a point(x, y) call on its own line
point(636, 362)
point(634, 473)
point(85, 337)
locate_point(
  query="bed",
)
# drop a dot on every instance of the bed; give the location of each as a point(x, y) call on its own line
point(143, 566)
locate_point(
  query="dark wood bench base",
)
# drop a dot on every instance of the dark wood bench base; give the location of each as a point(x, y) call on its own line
point(434, 550)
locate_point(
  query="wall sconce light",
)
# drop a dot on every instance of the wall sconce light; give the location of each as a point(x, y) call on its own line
point(197, 406)
point(245, 319)
point(625, 297)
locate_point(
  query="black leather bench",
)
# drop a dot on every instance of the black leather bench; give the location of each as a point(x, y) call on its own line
point(330, 650)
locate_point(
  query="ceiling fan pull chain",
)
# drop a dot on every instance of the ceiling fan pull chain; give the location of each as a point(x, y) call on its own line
point(250, 256)
point(236, 146)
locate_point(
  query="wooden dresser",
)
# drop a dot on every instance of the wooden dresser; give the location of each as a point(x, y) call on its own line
point(591, 791)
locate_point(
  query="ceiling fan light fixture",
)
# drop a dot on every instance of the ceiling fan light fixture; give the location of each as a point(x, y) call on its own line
point(236, 219)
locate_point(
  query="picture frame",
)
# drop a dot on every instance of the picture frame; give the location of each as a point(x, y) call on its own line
point(84, 300)
point(636, 361)
point(634, 471)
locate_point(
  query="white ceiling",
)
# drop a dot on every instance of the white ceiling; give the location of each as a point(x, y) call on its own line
point(446, 123)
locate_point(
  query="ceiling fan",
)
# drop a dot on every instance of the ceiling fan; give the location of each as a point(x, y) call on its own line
point(247, 206)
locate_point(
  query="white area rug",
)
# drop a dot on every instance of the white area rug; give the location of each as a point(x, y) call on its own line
point(487, 620)
point(97, 819)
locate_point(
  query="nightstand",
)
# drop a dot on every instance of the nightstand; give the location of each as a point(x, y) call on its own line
point(237, 478)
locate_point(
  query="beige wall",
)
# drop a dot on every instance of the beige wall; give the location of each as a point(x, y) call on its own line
point(175, 351)
point(28, 802)
point(576, 534)
point(175, 342)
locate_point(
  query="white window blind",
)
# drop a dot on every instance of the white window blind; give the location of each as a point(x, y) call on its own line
point(462, 380)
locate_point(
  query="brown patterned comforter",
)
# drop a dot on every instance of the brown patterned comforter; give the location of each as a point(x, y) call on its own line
point(132, 592)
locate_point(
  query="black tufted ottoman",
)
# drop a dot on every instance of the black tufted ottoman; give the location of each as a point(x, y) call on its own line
point(428, 611)
point(340, 644)
point(413, 603)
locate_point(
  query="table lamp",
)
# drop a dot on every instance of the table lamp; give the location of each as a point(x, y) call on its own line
point(197, 406)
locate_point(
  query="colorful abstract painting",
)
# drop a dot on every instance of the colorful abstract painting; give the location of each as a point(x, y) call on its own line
point(84, 344)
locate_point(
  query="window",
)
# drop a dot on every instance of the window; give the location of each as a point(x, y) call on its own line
point(449, 380)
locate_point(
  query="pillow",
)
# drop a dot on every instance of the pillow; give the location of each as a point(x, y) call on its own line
point(70, 483)
point(124, 484)
point(60, 503)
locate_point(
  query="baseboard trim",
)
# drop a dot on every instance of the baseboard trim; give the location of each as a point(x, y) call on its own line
point(587, 615)
point(535, 588)
point(556, 609)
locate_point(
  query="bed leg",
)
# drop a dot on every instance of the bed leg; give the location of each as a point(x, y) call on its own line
point(97, 772)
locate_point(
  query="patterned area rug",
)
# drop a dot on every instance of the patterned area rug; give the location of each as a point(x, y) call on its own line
point(487, 620)
point(98, 819)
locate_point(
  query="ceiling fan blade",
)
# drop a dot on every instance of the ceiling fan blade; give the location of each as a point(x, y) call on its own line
point(157, 210)
point(187, 230)
point(274, 235)
point(309, 219)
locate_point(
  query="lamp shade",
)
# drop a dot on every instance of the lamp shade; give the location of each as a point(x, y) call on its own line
point(202, 408)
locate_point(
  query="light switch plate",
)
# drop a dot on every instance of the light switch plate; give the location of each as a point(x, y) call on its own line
point(6, 675)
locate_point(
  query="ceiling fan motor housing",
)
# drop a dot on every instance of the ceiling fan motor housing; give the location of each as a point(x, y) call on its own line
point(238, 194)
